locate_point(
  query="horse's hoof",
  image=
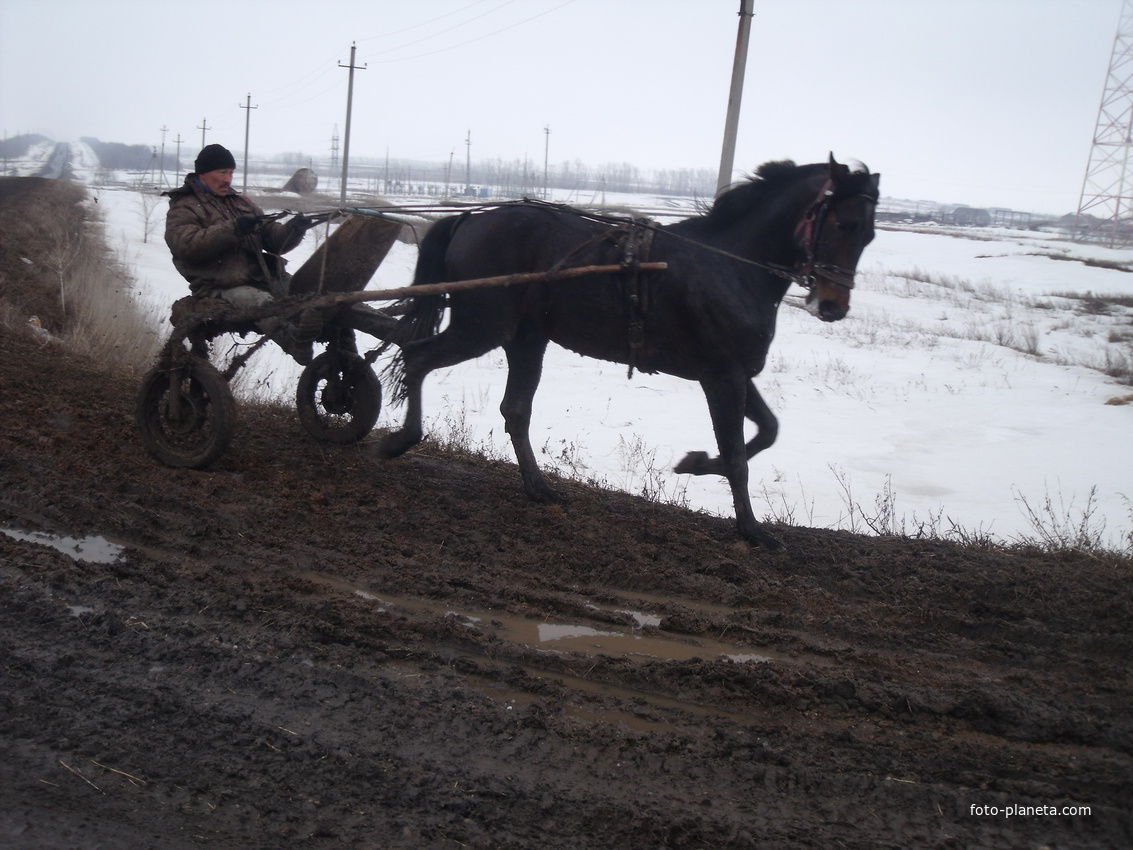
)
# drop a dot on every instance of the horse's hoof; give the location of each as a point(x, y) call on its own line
point(766, 541)
point(696, 463)
point(772, 544)
point(544, 495)
point(758, 537)
point(395, 444)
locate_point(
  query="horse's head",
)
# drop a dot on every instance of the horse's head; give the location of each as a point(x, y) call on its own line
point(831, 235)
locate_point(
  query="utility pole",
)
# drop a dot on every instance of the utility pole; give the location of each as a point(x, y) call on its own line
point(177, 167)
point(1107, 190)
point(247, 127)
point(468, 164)
point(346, 138)
point(204, 125)
point(546, 151)
point(164, 130)
point(731, 123)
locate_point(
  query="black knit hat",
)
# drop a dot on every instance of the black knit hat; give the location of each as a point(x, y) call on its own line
point(214, 158)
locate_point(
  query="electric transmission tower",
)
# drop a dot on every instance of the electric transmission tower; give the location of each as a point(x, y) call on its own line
point(1105, 209)
point(334, 152)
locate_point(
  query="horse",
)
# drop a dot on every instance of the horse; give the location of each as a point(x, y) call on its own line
point(709, 316)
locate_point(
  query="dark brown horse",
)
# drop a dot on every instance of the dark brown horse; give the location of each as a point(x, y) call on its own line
point(709, 317)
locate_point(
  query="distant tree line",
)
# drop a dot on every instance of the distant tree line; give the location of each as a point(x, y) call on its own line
point(516, 176)
point(14, 147)
point(119, 156)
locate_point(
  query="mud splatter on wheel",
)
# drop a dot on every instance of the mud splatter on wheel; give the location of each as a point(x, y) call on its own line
point(186, 416)
point(339, 398)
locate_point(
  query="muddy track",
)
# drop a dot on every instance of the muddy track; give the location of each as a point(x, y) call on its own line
point(309, 645)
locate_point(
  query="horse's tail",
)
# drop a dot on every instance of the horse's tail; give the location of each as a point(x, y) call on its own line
point(421, 317)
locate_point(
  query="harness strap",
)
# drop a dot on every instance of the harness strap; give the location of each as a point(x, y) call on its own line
point(809, 230)
point(635, 250)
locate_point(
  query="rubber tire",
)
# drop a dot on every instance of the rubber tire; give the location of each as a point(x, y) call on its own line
point(208, 416)
point(338, 404)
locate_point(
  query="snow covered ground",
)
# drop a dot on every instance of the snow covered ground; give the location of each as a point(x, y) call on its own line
point(966, 393)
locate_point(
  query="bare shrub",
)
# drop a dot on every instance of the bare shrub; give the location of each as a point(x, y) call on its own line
point(56, 265)
point(1059, 525)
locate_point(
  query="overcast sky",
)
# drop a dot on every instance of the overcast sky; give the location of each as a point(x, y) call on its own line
point(985, 102)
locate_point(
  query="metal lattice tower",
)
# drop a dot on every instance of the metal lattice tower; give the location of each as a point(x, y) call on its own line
point(1105, 209)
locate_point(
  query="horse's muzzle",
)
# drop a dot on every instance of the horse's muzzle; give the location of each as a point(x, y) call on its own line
point(826, 308)
point(830, 311)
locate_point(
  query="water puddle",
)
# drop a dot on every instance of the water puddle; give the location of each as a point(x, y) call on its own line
point(548, 636)
point(632, 708)
point(92, 550)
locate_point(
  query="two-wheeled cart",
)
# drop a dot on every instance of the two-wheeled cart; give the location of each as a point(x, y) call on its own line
point(185, 410)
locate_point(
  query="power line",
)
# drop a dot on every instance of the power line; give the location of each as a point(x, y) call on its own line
point(439, 32)
point(471, 40)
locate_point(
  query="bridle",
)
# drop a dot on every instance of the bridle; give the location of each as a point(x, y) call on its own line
point(807, 234)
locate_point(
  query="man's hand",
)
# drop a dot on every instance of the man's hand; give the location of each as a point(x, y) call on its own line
point(245, 224)
point(301, 223)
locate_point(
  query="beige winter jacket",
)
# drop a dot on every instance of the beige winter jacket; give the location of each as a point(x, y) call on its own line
point(200, 230)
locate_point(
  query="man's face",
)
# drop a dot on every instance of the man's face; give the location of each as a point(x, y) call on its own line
point(219, 182)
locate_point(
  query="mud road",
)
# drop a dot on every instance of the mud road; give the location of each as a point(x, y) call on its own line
point(308, 646)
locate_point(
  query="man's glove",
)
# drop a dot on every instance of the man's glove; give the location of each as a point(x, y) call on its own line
point(245, 224)
point(301, 223)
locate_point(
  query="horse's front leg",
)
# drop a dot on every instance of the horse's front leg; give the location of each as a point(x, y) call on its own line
point(727, 406)
point(766, 431)
point(525, 367)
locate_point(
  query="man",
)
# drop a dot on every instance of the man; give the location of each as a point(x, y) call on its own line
point(223, 247)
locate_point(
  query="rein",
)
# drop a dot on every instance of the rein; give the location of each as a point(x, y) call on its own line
point(807, 233)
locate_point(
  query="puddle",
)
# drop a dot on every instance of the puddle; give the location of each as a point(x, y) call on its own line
point(642, 619)
point(560, 636)
point(93, 550)
point(556, 637)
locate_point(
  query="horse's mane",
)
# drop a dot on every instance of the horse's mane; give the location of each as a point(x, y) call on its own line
point(741, 197)
point(770, 178)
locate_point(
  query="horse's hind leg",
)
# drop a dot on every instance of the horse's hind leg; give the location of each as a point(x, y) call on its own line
point(525, 367)
point(767, 430)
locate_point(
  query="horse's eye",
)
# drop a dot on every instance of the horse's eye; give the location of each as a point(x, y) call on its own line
point(847, 226)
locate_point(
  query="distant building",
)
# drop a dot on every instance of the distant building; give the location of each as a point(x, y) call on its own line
point(969, 217)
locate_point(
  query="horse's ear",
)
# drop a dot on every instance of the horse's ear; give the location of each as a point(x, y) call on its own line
point(837, 170)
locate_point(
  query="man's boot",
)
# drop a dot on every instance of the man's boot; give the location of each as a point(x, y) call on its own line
point(286, 337)
point(310, 324)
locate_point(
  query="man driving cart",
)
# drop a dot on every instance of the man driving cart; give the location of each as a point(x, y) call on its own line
point(225, 247)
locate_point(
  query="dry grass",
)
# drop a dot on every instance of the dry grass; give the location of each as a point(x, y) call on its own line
point(55, 265)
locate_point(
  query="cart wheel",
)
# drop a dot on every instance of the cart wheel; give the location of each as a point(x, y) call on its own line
point(339, 398)
point(190, 429)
